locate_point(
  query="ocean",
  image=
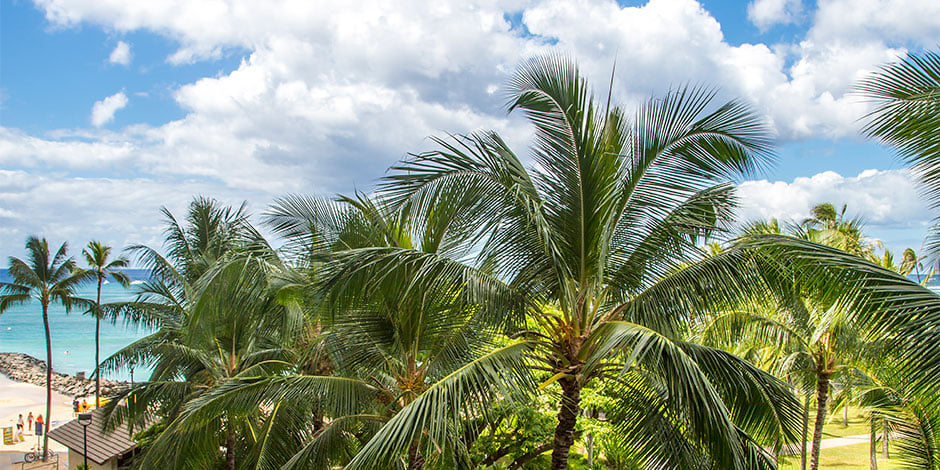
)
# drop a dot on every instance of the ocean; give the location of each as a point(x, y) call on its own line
point(73, 334)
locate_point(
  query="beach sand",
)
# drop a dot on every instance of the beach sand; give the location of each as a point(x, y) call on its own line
point(16, 398)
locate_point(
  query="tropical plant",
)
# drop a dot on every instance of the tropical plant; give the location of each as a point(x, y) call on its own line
point(593, 237)
point(215, 318)
point(47, 278)
point(814, 339)
point(897, 316)
point(388, 337)
point(99, 268)
point(906, 115)
point(833, 229)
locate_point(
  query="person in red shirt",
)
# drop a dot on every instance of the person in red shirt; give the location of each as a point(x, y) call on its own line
point(39, 427)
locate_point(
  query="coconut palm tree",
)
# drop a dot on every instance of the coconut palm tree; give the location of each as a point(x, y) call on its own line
point(232, 327)
point(387, 337)
point(47, 278)
point(593, 236)
point(815, 339)
point(906, 96)
point(216, 318)
point(833, 229)
point(99, 268)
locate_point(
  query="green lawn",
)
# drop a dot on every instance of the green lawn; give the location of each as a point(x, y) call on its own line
point(853, 457)
point(858, 424)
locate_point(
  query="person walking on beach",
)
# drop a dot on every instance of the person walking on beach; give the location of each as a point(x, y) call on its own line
point(29, 421)
point(84, 406)
point(19, 428)
point(39, 423)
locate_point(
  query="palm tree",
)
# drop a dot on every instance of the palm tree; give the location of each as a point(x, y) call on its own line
point(216, 318)
point(47, 280)
point(813, 337)
point(833, 229)
point(906, 95)
point(100, 267)
point(594, 236)
point(388, 337)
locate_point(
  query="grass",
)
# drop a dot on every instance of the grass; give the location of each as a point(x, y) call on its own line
point(858, 424)
point(853, 457)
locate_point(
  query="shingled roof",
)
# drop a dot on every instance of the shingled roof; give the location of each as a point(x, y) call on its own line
point(102, 446)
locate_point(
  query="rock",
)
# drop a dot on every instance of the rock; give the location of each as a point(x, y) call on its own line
point(25, 368)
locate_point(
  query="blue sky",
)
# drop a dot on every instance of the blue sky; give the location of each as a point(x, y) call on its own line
point(111, 110)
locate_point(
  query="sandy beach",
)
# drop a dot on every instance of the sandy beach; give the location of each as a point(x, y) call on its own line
point(16, 398)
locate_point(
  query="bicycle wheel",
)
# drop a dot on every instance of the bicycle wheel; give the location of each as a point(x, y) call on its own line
point(29, 457)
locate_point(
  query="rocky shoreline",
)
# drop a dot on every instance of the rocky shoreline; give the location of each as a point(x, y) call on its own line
point(25, 368)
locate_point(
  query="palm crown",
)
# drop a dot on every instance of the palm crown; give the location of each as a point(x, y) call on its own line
point(591, 236)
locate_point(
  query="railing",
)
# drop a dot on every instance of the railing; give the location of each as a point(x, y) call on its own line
point(51, 464)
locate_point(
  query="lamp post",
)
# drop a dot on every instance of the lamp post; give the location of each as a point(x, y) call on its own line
point(132, 364)
point(84, 419)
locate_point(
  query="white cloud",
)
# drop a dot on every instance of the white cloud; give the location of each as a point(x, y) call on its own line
point(883, 197)
point(103, 111)
point(802, 87)
point(115, 210)
point(327, 96)
point(121, 54)
point(766, 13)
point(93, 151)
point(886, 200)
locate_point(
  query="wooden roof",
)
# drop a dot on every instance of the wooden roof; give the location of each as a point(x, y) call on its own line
point(102, 446)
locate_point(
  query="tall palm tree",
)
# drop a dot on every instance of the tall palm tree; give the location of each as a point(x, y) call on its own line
point(388, 337)
point(215, 318)
point(813, 336)
point(99, 268)
point(47, 278)
point(906, 96)
point(594, 236)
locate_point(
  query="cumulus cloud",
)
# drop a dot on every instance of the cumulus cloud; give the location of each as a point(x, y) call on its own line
point(884, 197)
point(121, 54)
point(115, 210)
point(103, 111)
point(94, 151)
point(325, 99)
point(886, 200)
point(766, 13)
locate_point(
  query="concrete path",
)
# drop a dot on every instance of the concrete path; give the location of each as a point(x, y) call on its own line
point(843, 441)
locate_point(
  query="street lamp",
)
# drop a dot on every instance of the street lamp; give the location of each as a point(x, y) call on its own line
point(132, 364)
point(84, 419)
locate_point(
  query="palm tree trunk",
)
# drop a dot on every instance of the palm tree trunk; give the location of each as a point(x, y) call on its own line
point(230, 451)
point(872, 446)
point(884, 440)
point(822, 396)
point(845, 416)
point(805, 432)
point(97, 348)
point(48, 422)
point(567, 418)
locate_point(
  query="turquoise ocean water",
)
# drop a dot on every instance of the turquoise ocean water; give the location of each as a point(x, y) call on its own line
point(73, 334)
